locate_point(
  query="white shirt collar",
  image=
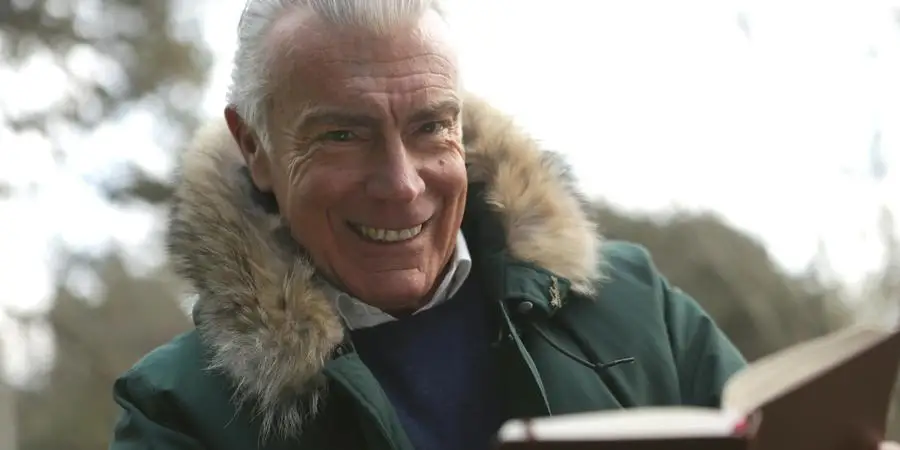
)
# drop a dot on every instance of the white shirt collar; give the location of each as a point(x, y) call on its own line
point(357, 314)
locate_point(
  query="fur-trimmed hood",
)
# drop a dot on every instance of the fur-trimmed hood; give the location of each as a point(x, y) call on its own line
point(261, 309)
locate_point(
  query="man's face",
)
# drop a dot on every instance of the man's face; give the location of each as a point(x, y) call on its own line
point(367, 163)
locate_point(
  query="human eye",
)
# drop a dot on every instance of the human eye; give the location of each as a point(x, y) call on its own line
point(338, 136)
point(434, 127)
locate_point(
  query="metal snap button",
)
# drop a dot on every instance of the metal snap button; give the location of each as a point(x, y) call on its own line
point(525, 307)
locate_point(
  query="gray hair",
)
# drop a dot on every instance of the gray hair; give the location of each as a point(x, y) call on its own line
point(250, 92)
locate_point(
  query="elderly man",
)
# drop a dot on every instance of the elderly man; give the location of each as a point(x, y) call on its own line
point(383, 262)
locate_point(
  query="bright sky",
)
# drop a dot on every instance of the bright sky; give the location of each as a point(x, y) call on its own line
point(656, 103)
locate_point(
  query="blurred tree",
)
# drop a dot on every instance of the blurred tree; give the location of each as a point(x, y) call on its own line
point(117, 56)
point(96, 340)
point(147, 52)
point(760, 307)
point(882, 289)
point(8, 428)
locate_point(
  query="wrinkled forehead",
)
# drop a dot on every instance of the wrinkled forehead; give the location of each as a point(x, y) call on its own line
point(313, 60)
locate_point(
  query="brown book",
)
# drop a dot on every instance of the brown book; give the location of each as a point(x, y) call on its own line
point(829, 393)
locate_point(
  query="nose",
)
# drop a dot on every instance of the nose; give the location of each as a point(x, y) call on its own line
point(395, 176)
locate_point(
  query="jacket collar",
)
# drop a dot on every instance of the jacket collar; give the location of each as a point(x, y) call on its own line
point(263, 311)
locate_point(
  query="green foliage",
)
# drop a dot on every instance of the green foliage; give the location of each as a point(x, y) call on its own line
point(149, 58)
point(149, 53)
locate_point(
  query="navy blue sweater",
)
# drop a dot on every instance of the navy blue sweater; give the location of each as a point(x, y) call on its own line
point(435, 368)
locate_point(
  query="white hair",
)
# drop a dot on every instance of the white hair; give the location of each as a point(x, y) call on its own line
point(250, 92)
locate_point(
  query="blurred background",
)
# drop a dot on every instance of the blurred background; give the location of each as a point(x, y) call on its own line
point(753, 146)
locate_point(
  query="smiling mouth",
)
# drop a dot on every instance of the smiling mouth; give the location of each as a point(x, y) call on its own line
point(387, 236)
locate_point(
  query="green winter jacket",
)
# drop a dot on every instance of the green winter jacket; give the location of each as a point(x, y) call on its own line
point(581, 324)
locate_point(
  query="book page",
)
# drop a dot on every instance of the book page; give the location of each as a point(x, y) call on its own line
point(639, 423)
point(775, 375)
point(833, 396)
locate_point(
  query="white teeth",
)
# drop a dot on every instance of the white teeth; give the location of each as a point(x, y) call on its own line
point(383, 235)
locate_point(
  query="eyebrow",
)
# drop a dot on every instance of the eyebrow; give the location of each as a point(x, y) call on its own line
point(320, 115)
point(326, 115)
point(436, 110)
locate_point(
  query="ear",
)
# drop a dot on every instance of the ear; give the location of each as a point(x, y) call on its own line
point(255, 156)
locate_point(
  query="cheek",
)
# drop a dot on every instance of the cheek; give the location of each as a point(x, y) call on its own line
point(308, 195)
point(449, 176)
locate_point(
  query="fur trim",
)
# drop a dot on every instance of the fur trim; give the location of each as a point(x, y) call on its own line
point(261, 308)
